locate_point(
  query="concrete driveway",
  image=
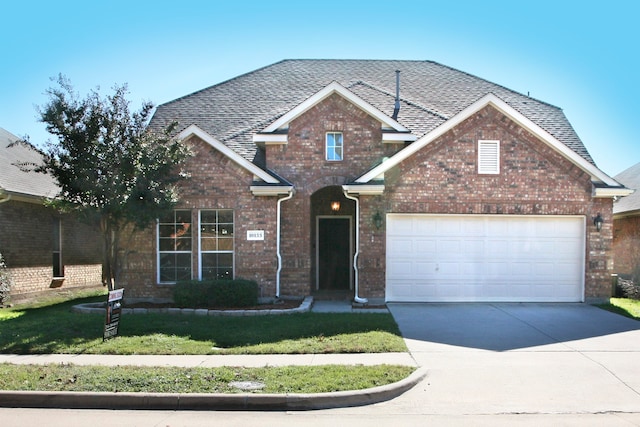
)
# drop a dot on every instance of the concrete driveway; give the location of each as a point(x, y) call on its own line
point(522, 359)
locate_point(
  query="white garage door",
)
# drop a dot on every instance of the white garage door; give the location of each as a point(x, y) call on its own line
point(485, 258)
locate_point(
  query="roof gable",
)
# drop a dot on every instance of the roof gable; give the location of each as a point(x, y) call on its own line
point(490, 100)
point(194, 130)
point(275, 132)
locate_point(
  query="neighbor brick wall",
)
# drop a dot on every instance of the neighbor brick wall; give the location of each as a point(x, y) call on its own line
point(626, 244)
point(27, 244)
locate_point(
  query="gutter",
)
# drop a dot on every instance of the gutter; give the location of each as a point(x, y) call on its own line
point(356, 298)
point(278, 215)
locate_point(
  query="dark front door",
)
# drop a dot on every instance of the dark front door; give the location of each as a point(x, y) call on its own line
point(334, 253)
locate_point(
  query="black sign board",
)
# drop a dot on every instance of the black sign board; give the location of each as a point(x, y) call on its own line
point(114, 308)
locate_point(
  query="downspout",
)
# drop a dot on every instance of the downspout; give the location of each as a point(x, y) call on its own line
point(287, 197)
point(6, 198)
point(356, 298)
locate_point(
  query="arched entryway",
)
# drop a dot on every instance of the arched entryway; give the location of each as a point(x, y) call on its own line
point(332, 240)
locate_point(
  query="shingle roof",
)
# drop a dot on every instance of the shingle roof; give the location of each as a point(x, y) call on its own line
point(13, 180)
point(630, 178)
point(431, 93)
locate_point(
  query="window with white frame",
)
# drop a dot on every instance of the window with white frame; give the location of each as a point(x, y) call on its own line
point(489, 157)
point(174, 247)
point(216, 244)
point(334, 146)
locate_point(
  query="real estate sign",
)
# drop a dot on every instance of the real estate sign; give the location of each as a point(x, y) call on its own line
point(114, 308)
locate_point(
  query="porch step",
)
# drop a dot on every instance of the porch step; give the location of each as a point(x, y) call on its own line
point(333, 295)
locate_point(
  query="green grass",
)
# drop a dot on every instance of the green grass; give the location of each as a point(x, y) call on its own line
point(51, 327)
point(624, 306)
point(288, 379)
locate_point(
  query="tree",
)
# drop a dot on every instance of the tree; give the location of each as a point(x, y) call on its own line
point(110, 166)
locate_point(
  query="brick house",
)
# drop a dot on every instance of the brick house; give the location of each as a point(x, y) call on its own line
point(626, 224)
point(394, 180)
point(42, 248)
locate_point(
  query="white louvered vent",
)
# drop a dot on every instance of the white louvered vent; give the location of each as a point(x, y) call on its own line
point(488, 157)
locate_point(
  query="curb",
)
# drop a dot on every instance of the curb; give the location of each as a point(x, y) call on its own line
point(213, 401)
point(304, 307)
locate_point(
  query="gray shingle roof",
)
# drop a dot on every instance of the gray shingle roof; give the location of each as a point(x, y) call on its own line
point(13, 180)
point(630, 178)
point(234, 110)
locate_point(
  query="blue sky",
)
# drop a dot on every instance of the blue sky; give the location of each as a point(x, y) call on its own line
point(582, 56)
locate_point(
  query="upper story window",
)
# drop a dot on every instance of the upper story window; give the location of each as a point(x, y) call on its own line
point(334, 146)
point(489, 157)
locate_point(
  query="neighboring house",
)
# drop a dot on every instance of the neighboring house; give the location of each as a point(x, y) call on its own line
point(626, 224)
point(42, 248)
point(431, 184)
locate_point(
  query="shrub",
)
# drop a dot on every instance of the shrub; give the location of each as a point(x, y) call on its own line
point(216, 293)
point(5, 282)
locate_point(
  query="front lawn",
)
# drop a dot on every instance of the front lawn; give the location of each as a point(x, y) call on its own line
point(53, 328)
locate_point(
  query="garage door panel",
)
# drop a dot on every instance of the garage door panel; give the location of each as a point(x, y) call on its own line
point(485, 258)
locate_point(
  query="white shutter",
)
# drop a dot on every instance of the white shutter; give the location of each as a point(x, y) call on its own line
point(488, 157)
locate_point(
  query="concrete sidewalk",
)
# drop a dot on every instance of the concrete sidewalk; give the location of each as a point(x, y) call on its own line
point(216, 401)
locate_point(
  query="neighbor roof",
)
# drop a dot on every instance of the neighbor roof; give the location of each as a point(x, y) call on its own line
point(430, 93)
point(630, 178)
point(14, 180)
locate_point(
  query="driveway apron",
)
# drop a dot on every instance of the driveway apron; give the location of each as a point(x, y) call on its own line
point(521, 358)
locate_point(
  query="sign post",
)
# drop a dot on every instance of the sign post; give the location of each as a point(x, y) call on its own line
point(114, 308)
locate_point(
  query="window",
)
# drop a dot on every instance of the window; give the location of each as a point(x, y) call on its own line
point(334, 145)
point(174, 247)
point(488, 157)
point(58, 267)
point(216, 244)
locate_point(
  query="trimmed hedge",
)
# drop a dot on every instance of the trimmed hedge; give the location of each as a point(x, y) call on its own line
point(216, 293)
point(5, 283)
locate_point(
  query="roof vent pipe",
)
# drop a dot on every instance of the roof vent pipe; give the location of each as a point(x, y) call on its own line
point(396, 107)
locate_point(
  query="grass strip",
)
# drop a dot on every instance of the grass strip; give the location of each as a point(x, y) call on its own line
point(624, 306)
point(54, 328)
point(288, 379)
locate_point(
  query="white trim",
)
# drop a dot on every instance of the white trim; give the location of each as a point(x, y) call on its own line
point(331, 88)
point(490, 99)
point(271, 138)
point(391, 137)
point(364, 190)
point(612, 192)
point(271, 190)
point(194, 130)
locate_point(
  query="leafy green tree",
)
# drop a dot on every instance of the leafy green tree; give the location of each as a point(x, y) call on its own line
point(111, 167)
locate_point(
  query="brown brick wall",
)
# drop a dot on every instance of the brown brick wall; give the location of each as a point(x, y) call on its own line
point(626, 244)
point(302, 161)
point(216, 183)
point(441, 178)
point(533, 179)
point(27, 246)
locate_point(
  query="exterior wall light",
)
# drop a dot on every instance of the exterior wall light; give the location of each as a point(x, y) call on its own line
point(335, 206)
point(597, 221)
point(377, 220)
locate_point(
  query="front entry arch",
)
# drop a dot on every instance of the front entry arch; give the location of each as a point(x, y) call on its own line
point(332, 239)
